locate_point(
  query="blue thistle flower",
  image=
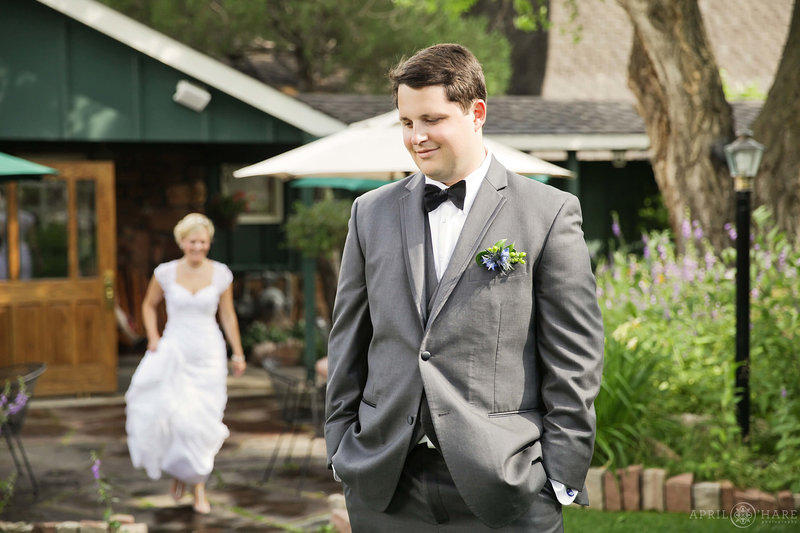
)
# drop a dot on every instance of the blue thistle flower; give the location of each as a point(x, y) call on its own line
point(500, 257)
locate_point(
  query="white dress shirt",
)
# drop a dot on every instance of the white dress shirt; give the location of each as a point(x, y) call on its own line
point(446, 223)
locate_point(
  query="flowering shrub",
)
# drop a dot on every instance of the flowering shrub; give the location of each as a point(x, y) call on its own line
point(672, 317)
point(103, 491)
point(9, 408)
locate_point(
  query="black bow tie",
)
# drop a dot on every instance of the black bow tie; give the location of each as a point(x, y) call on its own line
point(435, 196)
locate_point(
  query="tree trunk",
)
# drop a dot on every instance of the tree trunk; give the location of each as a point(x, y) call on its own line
point(528, 48)
point(777, 127)
point(675, 79)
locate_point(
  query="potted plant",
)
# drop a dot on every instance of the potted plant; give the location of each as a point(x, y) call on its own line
point(224, 209)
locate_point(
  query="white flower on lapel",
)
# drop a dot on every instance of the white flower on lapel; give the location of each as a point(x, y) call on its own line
point(500, 257)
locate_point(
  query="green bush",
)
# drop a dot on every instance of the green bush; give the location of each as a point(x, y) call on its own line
point(257, 332)
point(670, 356)
point(320, 229)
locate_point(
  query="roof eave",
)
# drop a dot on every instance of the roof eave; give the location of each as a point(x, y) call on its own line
point(574, 142)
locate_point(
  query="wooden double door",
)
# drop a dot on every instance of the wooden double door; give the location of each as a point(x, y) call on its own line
point(57, 270)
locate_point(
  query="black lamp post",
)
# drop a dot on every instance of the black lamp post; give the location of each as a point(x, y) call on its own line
point(744, 157)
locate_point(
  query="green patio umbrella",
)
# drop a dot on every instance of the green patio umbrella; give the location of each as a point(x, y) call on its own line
point(351, 184)
point(15, 168)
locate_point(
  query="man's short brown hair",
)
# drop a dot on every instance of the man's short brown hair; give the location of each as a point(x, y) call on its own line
point(449, 65)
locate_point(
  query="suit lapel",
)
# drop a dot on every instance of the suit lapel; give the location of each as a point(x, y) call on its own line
point(412, 229)
point(487, 204)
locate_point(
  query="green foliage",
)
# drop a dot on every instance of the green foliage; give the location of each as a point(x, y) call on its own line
point(749, 92)
point(257, 332)
point(318, 230)
point(334, 45)
point(224, 209)
point(653, 214)
point(13, 400)
point(577, 519)
point(629, 414)
point(103, 488)
point(51, 251)
point(7, 489)
point(670, 323)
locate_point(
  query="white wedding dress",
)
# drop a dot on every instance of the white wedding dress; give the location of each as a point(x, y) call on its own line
point(177, 395)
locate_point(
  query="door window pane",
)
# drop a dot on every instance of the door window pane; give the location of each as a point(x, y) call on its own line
point(87, 228)
point(43, 229)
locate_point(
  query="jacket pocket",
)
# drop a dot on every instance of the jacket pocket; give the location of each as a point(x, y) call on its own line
point(481, 273)
point(495, 414)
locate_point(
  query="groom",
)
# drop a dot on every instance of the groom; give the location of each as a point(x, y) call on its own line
point(466, 348)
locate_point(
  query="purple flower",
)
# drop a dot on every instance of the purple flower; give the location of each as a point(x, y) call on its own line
point(686, 229)
point(698, 231)
point(731, 231)
point(782, 260)
point(96, 469)
point(689, 268)
point(710, 260)
point(19, 402)
point(783, 392)
point(615, 229)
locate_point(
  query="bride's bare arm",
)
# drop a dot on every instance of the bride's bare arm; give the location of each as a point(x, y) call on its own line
point(230, 325)
point(152, 298)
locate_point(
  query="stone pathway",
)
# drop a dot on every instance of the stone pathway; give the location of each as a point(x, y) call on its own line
point(59, 436)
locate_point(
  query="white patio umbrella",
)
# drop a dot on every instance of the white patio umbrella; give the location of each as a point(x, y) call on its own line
point(373, 148)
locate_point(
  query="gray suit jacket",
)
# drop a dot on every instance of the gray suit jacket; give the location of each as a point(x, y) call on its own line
point(515, 360)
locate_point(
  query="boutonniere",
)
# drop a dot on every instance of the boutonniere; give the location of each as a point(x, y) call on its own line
point(500, 257)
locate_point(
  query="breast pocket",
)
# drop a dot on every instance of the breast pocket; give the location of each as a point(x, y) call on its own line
point(478, 273)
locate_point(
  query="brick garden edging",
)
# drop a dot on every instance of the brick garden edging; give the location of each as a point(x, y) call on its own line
point(635, 488)
point(648, 489)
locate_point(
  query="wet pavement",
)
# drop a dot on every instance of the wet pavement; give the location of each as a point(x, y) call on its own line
point(59, 436)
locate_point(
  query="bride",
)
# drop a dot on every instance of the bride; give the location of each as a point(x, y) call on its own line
point(177, 396)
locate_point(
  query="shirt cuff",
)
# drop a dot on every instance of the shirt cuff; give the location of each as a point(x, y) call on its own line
point(335, 477)
point(564, 495)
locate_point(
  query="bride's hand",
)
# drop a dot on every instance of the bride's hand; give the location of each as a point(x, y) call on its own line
point(152, 345)
point(239, 368)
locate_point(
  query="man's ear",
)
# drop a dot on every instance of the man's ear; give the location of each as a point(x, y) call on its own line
point(478, 113)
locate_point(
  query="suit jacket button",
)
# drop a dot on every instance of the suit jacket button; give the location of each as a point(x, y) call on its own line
point(410, 420)
point(425, 355)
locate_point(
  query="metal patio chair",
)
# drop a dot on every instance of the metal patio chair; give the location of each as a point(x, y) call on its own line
point(302, 402)
point(11, 428)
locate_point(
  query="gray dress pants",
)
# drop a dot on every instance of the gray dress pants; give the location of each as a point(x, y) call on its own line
point(426, 501)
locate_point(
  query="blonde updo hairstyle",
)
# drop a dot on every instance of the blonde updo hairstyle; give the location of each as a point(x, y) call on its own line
point(191, 222)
